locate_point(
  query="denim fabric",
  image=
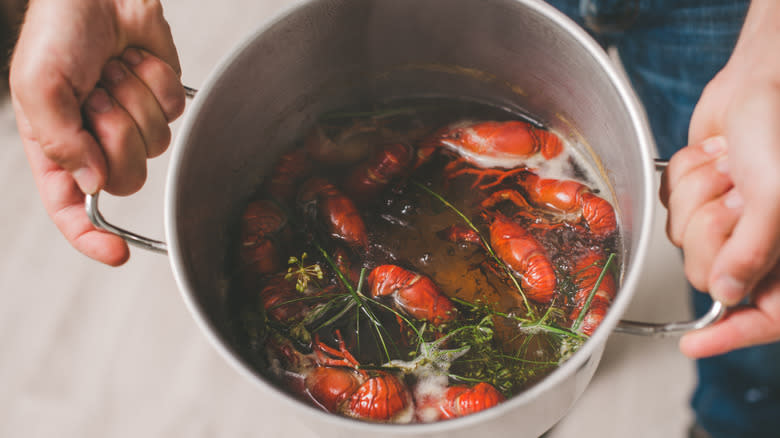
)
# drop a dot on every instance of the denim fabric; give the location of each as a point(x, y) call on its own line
point(671, 49)
point(738, 395)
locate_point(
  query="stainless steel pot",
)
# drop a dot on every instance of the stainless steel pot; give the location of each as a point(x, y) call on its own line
point(320, 55)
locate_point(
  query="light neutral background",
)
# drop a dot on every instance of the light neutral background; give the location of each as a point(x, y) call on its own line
point(89, 351)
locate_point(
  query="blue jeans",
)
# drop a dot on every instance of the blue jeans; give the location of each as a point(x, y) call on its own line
point(671, 49)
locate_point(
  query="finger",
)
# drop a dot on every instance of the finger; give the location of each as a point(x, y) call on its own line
point(754, 246)
point(161, 80)
point(701, 185)
point(147, 28)
point(57, 127)
point(688, 159)
point(122, 143)
point(64, 203)
point(745, 255)
point(139, 102)
point(742, 327)
point(709, 227)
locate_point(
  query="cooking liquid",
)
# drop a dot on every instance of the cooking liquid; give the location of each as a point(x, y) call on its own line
point(403, 229)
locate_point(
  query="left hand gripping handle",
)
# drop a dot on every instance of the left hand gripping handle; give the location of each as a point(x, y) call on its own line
point(93, 213)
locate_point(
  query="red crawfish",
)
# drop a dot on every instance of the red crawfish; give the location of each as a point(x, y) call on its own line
point(265, 234)
point(571, 197)
point(281, 301)
point(585, 273)
point(290, 169)
point(369, 178)
point(458, 401)
point(524, 255)
point(332, 379)
point(458, 233)
point(492, 143)
point(327, 204)
point(414, 294)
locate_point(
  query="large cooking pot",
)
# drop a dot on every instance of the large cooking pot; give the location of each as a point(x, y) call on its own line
point(321, 55)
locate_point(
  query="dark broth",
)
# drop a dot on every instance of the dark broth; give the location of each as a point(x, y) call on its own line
point(513, 342)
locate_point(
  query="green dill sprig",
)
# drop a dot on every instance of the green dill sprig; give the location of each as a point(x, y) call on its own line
point(525, 324)
point(303, 274)
point(487, 362)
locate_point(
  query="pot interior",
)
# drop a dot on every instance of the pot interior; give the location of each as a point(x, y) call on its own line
point(326, 54)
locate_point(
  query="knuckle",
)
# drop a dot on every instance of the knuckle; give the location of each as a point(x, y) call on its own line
point(165, 85)
point(59, 152)
point(679, 159)
point(679, 165)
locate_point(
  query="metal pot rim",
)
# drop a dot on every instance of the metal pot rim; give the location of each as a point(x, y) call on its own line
point(579, 359)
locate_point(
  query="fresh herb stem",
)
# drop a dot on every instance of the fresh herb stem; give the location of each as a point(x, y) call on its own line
point(357, 328)
point(378, 334)
point(399, 315)
point(337, 316)
point(359, 299)
point(523, 348)
point(525, 324)
point(515, 359)
point(485, 244)
point(309, 298)
point(377, 325)
point(465, 379)
point(552, 329)
point(592, 293)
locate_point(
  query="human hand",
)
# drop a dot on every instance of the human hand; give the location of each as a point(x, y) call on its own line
point(94, 85)
point(723, 192)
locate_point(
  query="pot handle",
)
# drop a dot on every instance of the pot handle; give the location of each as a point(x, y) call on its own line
point(673, 328)
point(93, 213)
point(91, 204)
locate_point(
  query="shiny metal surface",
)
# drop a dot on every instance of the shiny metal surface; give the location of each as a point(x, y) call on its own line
point(190, 92)
point(323, 54)
point(93, 213)
point(674, 328)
